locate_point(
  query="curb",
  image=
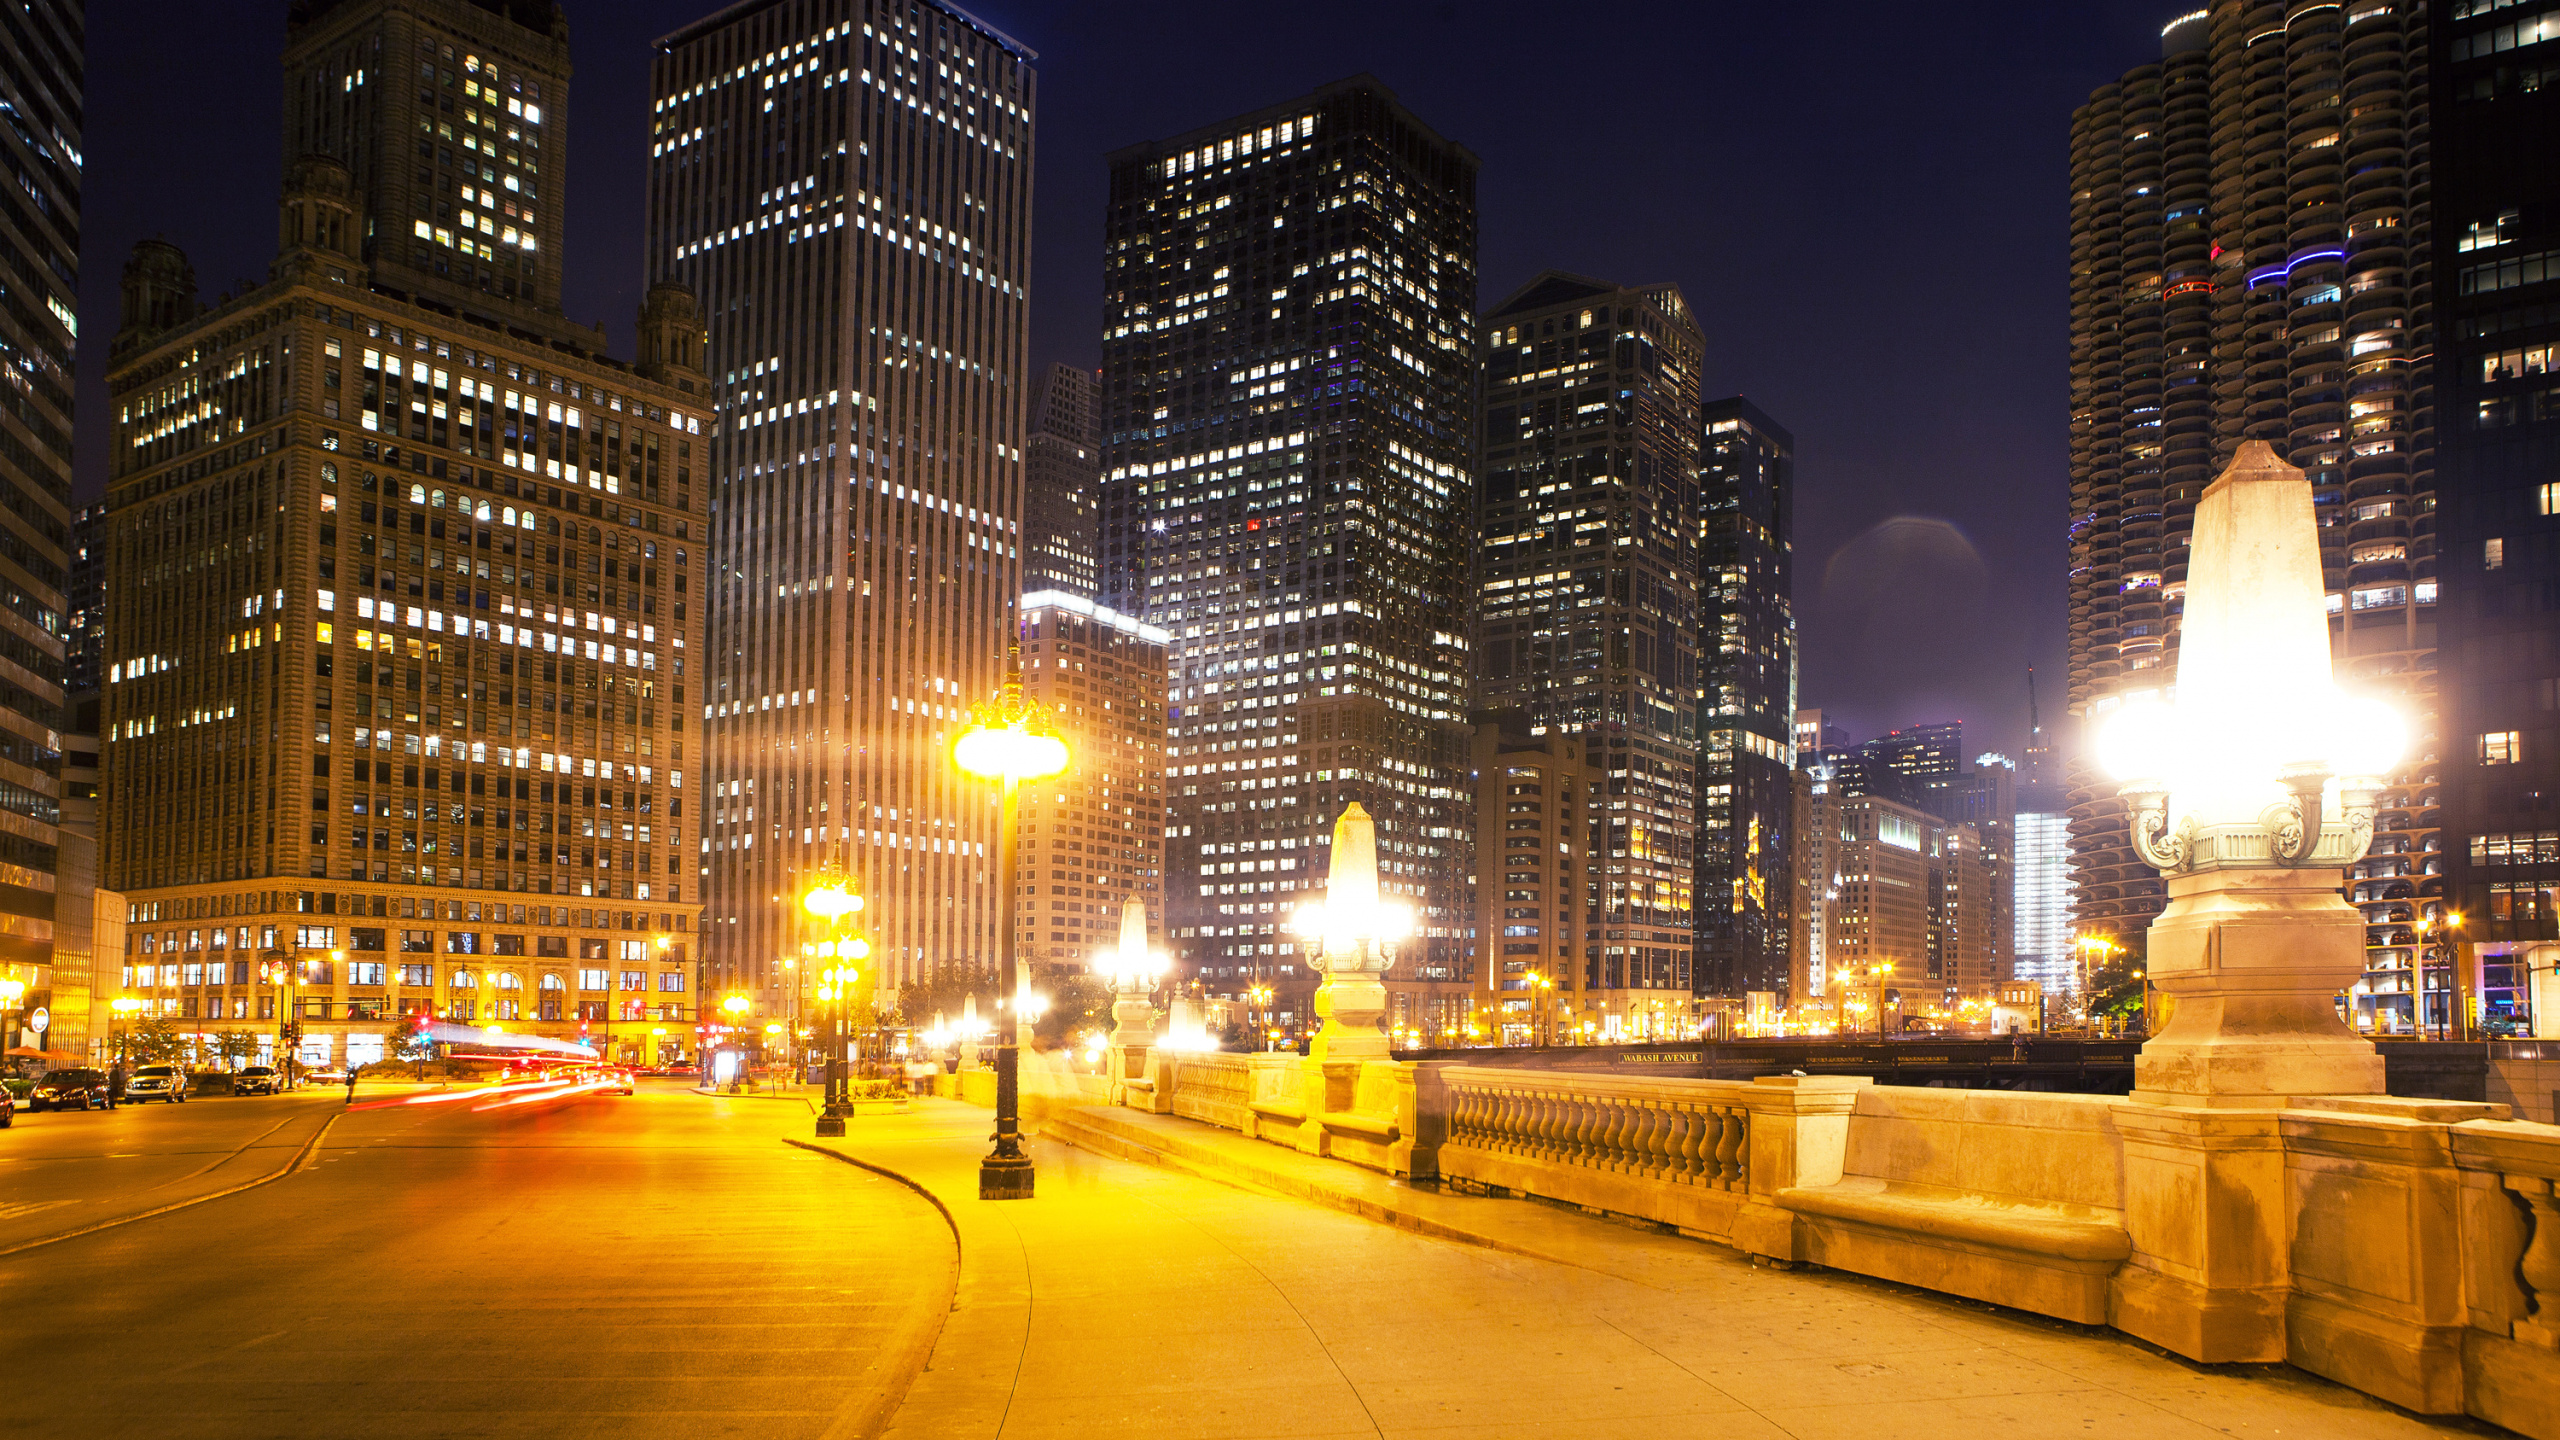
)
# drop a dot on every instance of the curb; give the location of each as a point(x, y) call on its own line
point(893, 1370)
point(805, 1101)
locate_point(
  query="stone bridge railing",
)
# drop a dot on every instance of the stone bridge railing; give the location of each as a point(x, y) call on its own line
point(2407, 1248)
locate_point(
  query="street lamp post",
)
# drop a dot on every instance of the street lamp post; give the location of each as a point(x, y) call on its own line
point(2251, 792)
point(829, 901)
point(736, 1008)
point(125, 1008)
point(282, 969)
point(1002, 744)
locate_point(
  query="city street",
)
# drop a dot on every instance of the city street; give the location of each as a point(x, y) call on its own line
point(465, 1263)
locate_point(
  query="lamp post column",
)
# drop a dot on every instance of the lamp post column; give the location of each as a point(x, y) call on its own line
point(1005, 1174)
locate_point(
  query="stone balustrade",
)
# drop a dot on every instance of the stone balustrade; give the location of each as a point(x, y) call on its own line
point(1694, 1136)
point(2407, 1248)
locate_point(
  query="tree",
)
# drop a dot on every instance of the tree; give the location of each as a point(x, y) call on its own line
point(232, 1048)
point(1079, 1004)
point(154, 1042)
point(2115, 989)
point(945, 993)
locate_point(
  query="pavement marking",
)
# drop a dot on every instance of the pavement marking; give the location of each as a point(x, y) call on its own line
point(308, 1147)
point(230, 1156)
point(29, 1207)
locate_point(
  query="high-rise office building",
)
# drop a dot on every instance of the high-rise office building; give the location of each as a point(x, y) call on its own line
point(85, 619)
point(1910, 890)
point(1093, 838)
point(1061, 484)
point(847, 184)
point(452, 117)
point(1921, 765)
point(2040, 890)
point(1587, 626)
point(404, 604)
point(1747, 703)
point(2496, 193)
point(1288, 436)
point(40, 73)
point(2250, 260)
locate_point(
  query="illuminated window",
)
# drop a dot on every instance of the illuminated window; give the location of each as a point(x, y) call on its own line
point(2500, 747)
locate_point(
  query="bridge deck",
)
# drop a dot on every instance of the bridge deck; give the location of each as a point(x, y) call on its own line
point(1207, 1296)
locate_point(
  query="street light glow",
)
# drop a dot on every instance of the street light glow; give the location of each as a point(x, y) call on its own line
point(997, 749)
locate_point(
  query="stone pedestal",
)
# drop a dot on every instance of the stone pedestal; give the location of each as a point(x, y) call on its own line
point(1353, 1006)
point(2204, 1204)
point(2253, 959)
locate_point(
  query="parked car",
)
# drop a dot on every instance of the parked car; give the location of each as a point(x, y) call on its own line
point(78, 1088)
point(164, 1083)
point(8, 1108)
point(254, 1080)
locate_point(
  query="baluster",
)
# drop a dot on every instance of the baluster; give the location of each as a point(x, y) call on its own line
point(1699, 1146)
point(2539, 1268)
point(1659, 1136)
point(1643, 1118)
point(1728, 1149)
point(1562, 1119)
point(1610, 1140)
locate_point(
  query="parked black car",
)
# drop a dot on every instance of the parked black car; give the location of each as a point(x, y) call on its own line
point(254, 1080)
point(73, 1089)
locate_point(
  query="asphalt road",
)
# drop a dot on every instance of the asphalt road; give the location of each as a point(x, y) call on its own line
point(475, 1265)
point(69, 1170)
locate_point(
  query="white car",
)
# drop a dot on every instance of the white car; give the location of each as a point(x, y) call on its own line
point(164, 1083)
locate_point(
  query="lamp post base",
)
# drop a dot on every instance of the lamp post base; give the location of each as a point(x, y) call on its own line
point(830, 1126)
point(1004, 1177)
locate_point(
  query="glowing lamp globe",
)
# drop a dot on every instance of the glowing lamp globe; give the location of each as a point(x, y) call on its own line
point(2368, 737)
point(1009, 752)
point(2139, 741)
point(831, 901)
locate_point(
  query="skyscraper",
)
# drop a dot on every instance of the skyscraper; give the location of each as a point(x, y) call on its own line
point(1288, 433)
point(1062, 479)
point(40, 59)
point(1587, 626)
point(396, 684)
point(1093, 838)
point(2497, 249)
point(2250, 240)
point(1746, 710)
point(452, 116)
point(847, 184)
point(2040, 893)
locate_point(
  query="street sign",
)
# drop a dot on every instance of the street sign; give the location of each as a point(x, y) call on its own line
point(39, 1019)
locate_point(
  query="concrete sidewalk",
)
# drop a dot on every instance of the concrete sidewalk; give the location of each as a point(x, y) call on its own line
point(1142, 1299)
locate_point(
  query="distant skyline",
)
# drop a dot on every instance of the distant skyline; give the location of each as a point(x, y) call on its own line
point(1865, 205)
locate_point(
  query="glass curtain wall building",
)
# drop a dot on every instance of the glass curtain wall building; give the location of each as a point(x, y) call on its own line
point(847, 185)
point(1747, 809)
point(2250, 239)
point(1587, 627)
point(1061, 517)
point(40, 61)
point(1288, 425)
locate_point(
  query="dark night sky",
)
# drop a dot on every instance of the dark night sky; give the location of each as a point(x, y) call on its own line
point(1864, 204)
